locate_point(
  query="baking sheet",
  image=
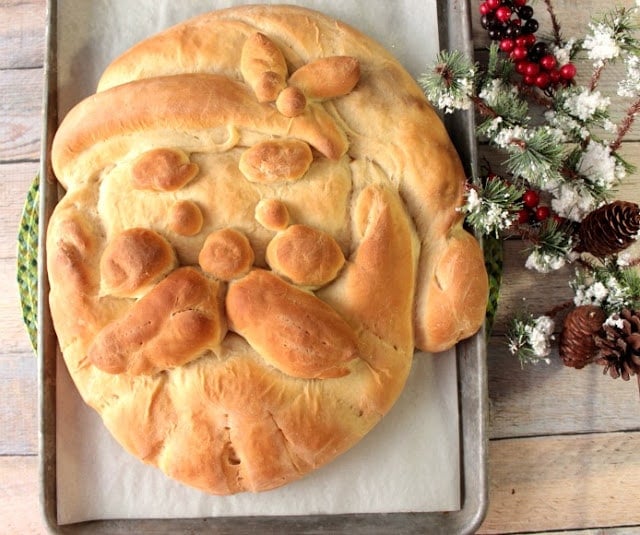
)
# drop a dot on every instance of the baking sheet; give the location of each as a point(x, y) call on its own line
point(470, 383)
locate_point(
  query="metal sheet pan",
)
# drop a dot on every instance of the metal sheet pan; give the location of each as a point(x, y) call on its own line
point(455, 33)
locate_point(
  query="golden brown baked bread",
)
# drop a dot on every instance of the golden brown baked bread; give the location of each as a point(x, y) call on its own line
point(260, 225)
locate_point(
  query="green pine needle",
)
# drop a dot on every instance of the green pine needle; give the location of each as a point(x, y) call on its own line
point(537, 156)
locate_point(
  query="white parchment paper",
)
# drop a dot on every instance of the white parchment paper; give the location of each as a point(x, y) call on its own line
point(409, 462)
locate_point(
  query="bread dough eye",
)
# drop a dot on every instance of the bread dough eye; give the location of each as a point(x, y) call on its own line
point(272, 214)
point(185, 218)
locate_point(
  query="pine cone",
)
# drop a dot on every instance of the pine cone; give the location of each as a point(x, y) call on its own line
point(577, 347)
point(619, 345)
point(609, 229)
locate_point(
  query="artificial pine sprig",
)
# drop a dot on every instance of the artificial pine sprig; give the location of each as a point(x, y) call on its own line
point(493, 208)
point(611, 286)
point(536, 154)
point(611, 35)
point(529, 338)
point(450, 83)
point(551, 246)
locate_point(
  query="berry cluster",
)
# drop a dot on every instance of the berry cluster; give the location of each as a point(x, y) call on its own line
point(533, 211)
point(511, 23)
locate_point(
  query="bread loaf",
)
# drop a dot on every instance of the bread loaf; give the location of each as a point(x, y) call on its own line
point(260, 225)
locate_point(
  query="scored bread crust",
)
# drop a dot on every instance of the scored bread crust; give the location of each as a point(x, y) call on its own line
point(261, 223)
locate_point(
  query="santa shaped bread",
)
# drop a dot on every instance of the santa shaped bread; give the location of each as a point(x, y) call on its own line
point(260, 225)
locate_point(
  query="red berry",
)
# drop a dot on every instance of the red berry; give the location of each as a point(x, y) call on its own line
point(493, 4)
point(542, 213)
point(518, 53)
point(530, 39)
point(529, 80)
point(523, 216)
point(507, 45)
point(521, 66)
point(548, 62)
point(543, 80)
point(568, 71)
point(554, 76)
point(519, 3)
point(503, 13)
point(484, 8)
point(531, 198)
point(532, 69)
point(558, 219)
point(521, 41)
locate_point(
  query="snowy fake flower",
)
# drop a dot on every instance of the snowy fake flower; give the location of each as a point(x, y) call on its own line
point(539, 336)
point(585, 104)
point(624, 259)
point(577, 107)
point(507, 136)
point(484, 214)
point(567, 123)
point(601, 43)
point(599, 166)
point(573, 200)
point(563, 53)
point(450, 101)
point(530, 339)
point(630, 86)
point(492, 92)
point(473, 200)
point(544, 262)
point(614, 320)
point(593, 294)
point(606, 292)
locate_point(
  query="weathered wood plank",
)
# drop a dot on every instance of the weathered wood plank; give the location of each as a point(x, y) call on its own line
point(21, 109)
point(566, 482)
point(15, 337)
point(22, 24)
point(549, 399)
point(18, 405)
point(19, 503)
point(15, 180)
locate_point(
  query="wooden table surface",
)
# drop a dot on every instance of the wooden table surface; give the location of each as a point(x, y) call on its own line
point(564, 450)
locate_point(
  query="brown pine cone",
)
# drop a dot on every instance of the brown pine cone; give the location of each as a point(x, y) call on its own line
point(577, 347)
point(609, 229)
point(619, 345)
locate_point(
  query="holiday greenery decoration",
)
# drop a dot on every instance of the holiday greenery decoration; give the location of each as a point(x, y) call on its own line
point(561, 162)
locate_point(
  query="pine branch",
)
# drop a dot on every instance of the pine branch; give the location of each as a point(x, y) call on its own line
point(542, 100)
point(625, 125)
point(483, 108)
point(557, 36)
point(595, 77)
